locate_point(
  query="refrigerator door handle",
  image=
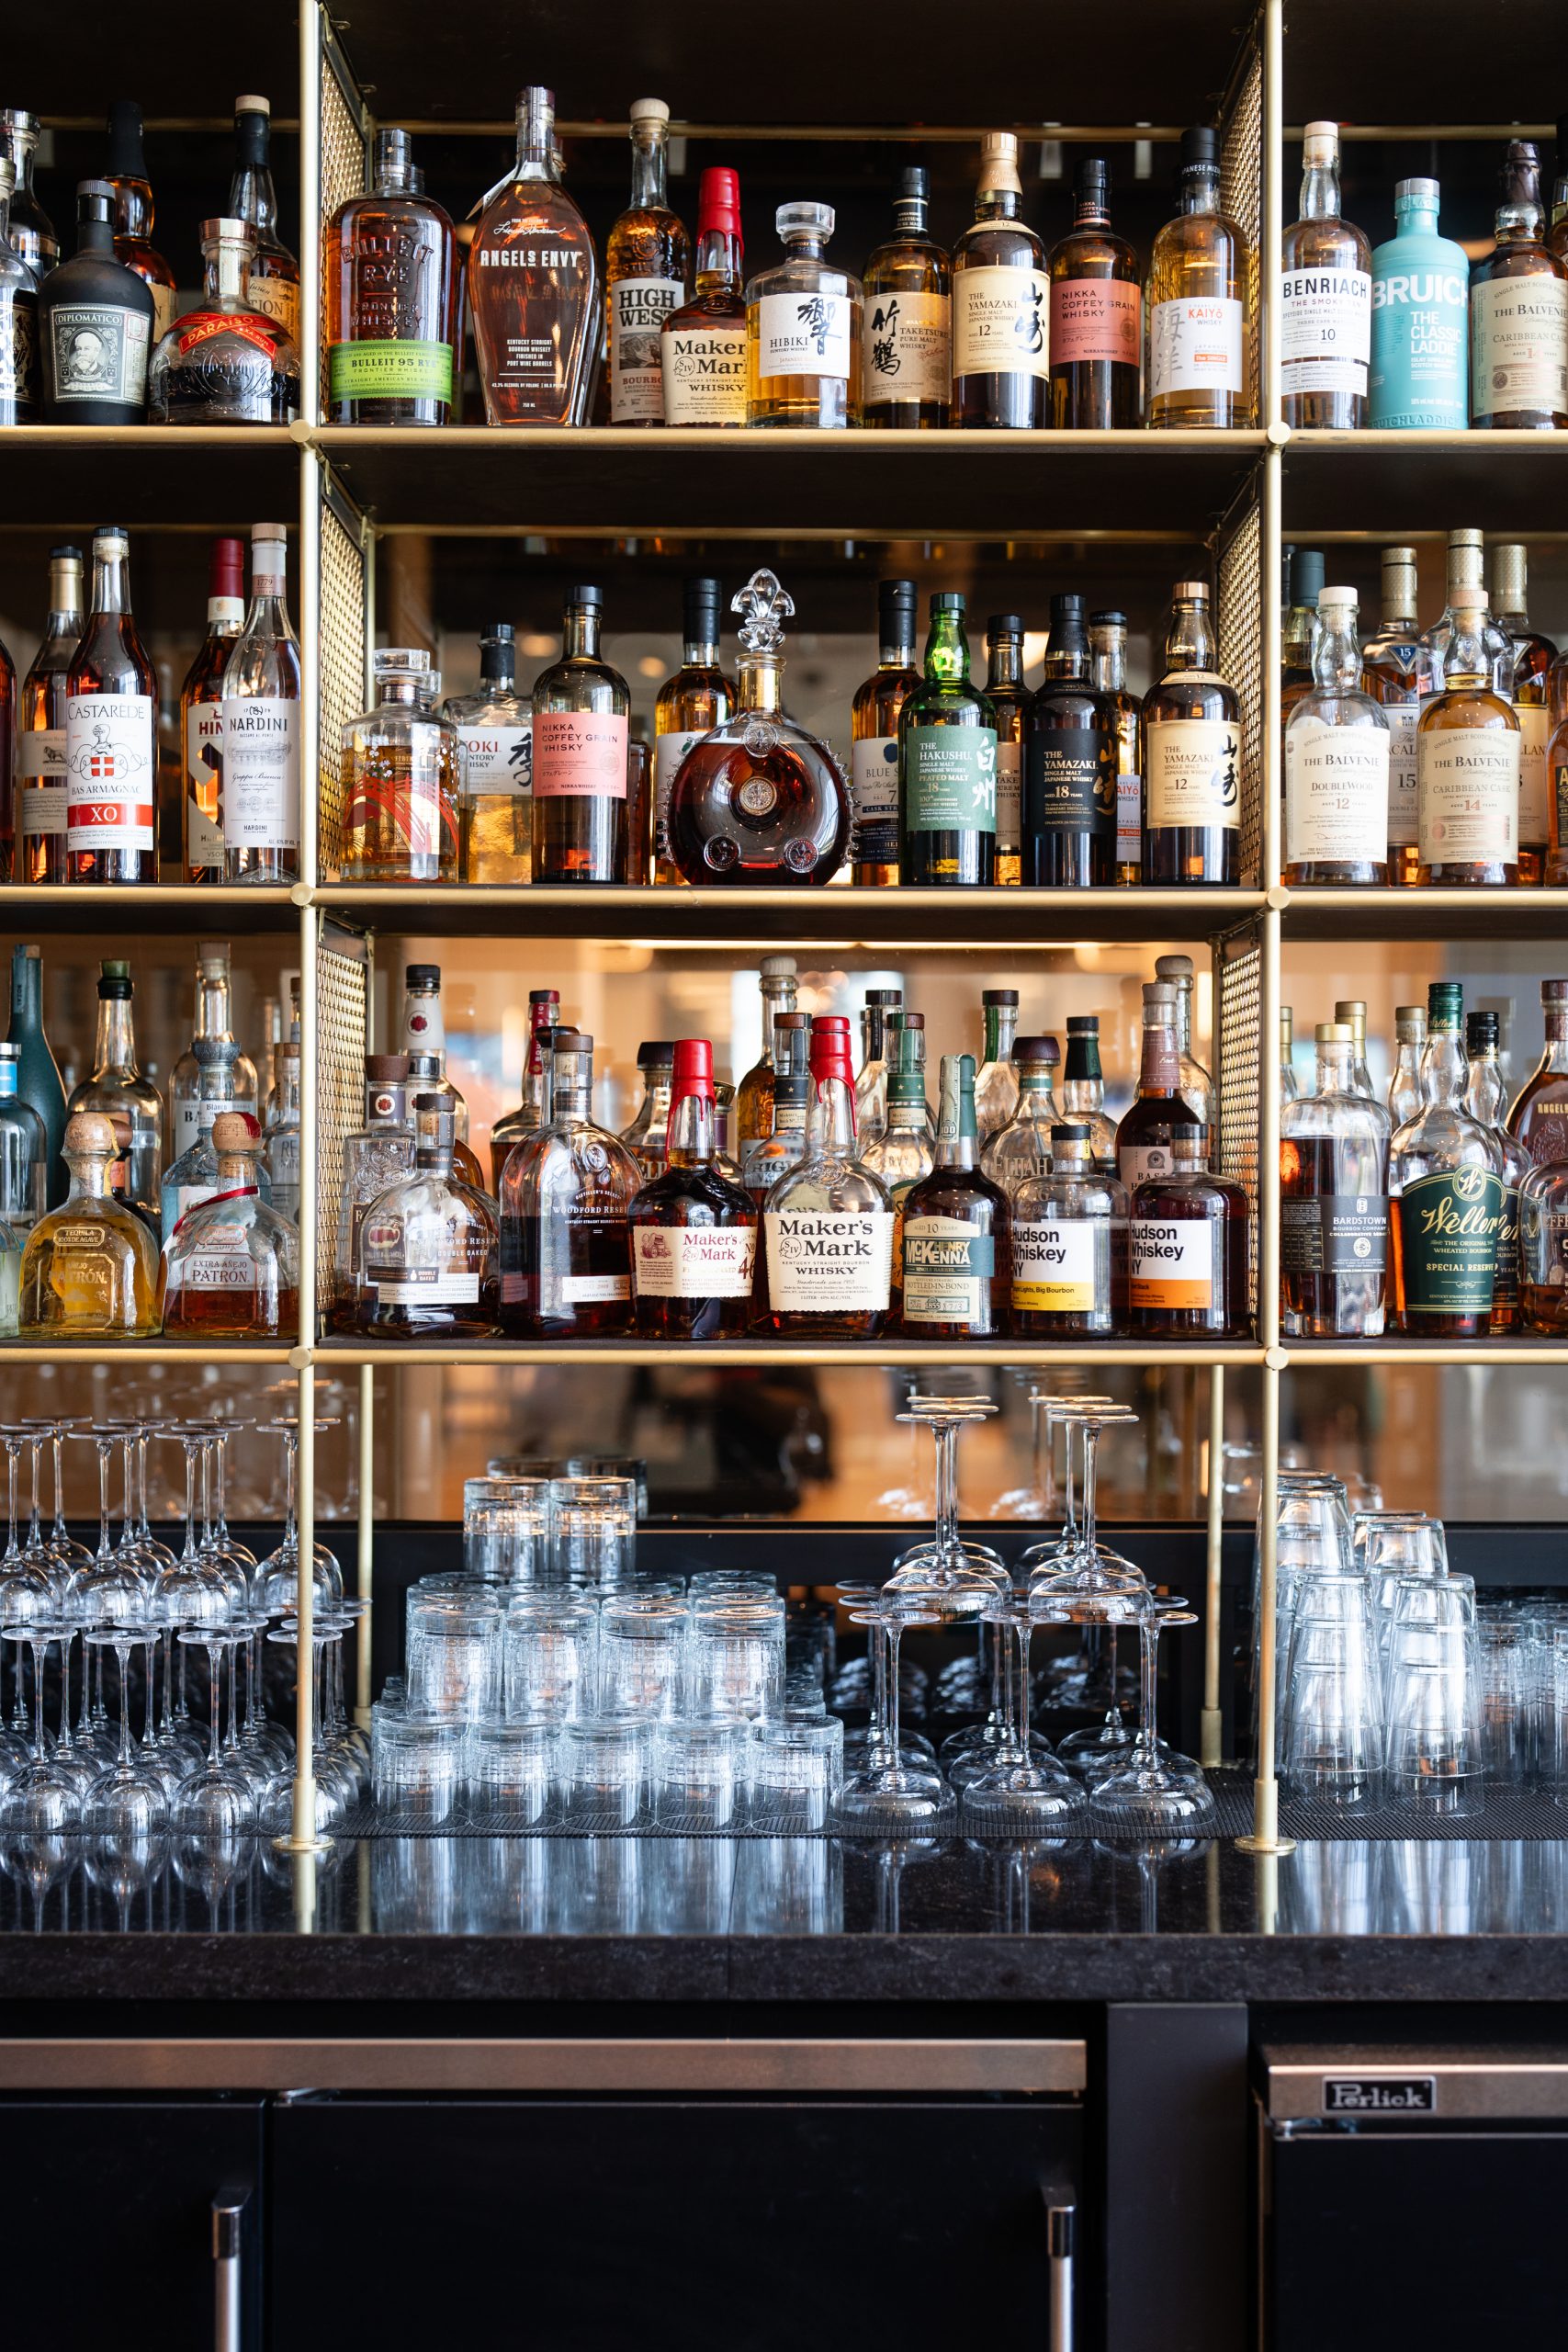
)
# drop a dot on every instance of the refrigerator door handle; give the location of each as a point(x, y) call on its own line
point(1062, 2223)
point(228, 2239)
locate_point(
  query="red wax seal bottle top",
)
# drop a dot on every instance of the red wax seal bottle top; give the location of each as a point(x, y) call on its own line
point(693, 1069)
point(718, 202)
point(226, 571)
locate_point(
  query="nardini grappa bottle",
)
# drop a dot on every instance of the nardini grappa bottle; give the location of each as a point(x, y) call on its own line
point(261, 727)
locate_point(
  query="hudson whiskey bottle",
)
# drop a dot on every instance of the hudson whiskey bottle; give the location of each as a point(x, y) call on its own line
point(1467, 750)
point(874, 734)
point(40, 741)
point(90, 1267)
point(803, 331)
point(1533, 658)
point(390, 281)
point(1191, 737)
point(566, 1260)
point(1108, 672)
point(1391, 673)
point(703, 359)
point(1447, 1194)
point(1186, 1248)
point(274, 282)
point(1334, 1201)
point(646, 265)
point(1325, 320)
point(231, 1269)
point(1519, 312)
point(95, 320)
point(534, 286)
point(112, 739)
point(693, 1233)
point(429, 1244)
point(1009, 699)
point(1336, 761)
point(947, 763)
point(1538, 1115)
point(955, 1266)
point(906, 358)
point(1069, 765)
point(1198, 281)
point(581, 730)
point(690, 704)
point(1097, 315)
point(1069, 1244)
point(495, 726)
point(828, 1225)
point(1002, 320)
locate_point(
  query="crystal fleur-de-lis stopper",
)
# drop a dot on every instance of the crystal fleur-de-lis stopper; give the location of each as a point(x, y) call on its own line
point(764, 605)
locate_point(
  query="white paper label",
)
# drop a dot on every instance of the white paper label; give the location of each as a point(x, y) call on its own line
point(593, 1290)
point(1055, 1265)
point(803, 334)
point(1326, 330)
point(1335, 793)
point(906, 348)
point(1001, 322)
point(261, 772)
point(1535, 805)
point(185, 1125)
point(1195, 345)
point(1193, 771)
point(639, 307)
point(705, 375)
point(1518, 345)
point(1469, 795)
point(498, 762)
point(111, 763)
point(221, 1261)
point(1129, 819)
point(695, 1262)
point(830, 1262)
point(40, 811)
point(191, 1196)
point(95, 351)
point(422, 1286)
point(669, 751)
point(1009, 795)
point(1404, 797)
point(1171, 1262)
point(40, 770)
point(1138, 1162)
point(873, 780)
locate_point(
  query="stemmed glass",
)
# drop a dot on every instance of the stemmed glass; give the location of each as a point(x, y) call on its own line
point(907, 1502)
point(219, 1800)
point(1085, 1566)
point(336, 1787)
point(28, 1589)
point(886, 1789)
point(913, 1749)
point(45, 1797)
point(60, 1544)
point(129, 1804)
point(1034, 1500)
point(110, 1589)
point(952, 1577)
point(276, 1580)
point(1154, 1789)
point(968, 1753)
point(1049, 1408)
point(1020, 1780)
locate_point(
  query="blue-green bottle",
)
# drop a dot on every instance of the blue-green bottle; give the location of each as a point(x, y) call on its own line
point(1420, 377)
point(39, 1082)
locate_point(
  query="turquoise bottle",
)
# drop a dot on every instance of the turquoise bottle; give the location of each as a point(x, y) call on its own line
point(39, 1082)
point(1420, 380)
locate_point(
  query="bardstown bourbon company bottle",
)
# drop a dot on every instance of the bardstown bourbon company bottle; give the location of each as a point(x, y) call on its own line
point(1420, 320)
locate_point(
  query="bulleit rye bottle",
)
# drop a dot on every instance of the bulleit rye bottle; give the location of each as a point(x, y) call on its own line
point(389, 282)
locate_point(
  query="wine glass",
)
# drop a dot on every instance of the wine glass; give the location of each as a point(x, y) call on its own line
point(129, 1804)
point(1020, 1782)
point(276, 1578)
point(953, 1578)
point(886, 1789)
point(909, 1500)
point(45, 1796)
point(1033, 1501)
point(1082, 1566)
point(913, 1747)
point(1048, 1407)
point(217, 1802)
point(1152, 1791)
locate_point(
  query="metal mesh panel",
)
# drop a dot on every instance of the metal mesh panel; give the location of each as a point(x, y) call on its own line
point(1241, 664)
point(343, 1001)
point(1238, 988)
point(343, 131)
point(1241, 189)
point(341, 660)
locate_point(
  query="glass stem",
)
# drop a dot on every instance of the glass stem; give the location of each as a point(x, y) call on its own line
point(1070, 1507)
point(122, 1652)
point(1091, 1450)
point(39, 1651)
point(1148, 1683)
point(947, 1550)
point(212, 1707)
point(1025, 1636)
point(105, 1447)
point(895, 1634)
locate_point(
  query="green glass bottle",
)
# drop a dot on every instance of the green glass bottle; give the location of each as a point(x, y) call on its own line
point(947, 763)
point(39, 1082)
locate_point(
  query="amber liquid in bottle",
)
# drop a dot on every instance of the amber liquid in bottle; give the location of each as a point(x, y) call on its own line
point(1000, 303)
point(1191, 733)
point(582, 815)
point(40, 716)
point(390, 279)
point(1097, 317)
point(874, 735)
point(1391, 673)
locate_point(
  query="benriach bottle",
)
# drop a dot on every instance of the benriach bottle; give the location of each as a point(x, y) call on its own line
point(874, 736)
point(647, 269)
point(907, 322)
point(1192, 740)
point(1533, 658)
point(1001, 356)
point(1518, 312)
point(1326, 299)
point(1468, 766)
point(1391, 673)
point(947, 763)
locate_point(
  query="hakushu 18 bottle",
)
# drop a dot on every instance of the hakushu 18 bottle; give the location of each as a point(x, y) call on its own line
point(947, 763)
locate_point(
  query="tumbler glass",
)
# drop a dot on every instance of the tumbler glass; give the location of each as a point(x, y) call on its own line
point(454, 1655)
point(602, 1768)
point(698, 1774)
point(797, 1769)
point(593, 1532)
point(511, 1768)
point(735, 1661)
point(1332, 1726)
point(416, 1763)
point(641, 1645)
point(550, 1647)
point(506, 1530)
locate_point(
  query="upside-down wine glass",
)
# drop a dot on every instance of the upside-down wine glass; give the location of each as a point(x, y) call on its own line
point(913, 1748)
point(129, 1804)
point(952, 1577)
point(885, 1790)
point(219, 1800)
point(1019, 1783)
point(45, 1797)
point(1154, 1791)
point(276, 1578)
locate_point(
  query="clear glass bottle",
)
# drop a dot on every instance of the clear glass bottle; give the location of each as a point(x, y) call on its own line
point(231, 1267)
point(1533, 658)
point(1352, 1011)
point(1199, 282)
point(954, 1271)
point(1097, 315)
point(1467, 752)
point(24, 1151)
point(1083, 1090)
point(1444, 1174)
point(1001, 292)
point(1288, 1090)
point(389, 284)
point(201, 713)
point(1334, 1207)
point(703, 359)
point(647, 271)
point(1069, 1244)
point(777, 984)
point(828, 1226)
point(906, 358)
point(1404, 1095)
point(1486, 1098)
point(533, 1110)
point(1544, 1251)
point(996, 1084)
point(214, 1021)
point(191, 1176)
point(10, 1280)
point(116, 1090)
point(1069, 765)
point(877, 1013)
point(566, 1200)
point(1197, 1085)
point(947, 763)
point(495, 727)
point(1326, 319)
point(261, 725)
point(1518, 312)
point(1391, 673)
point(1337, 763)
point(692, 703)
point(226, 362)
point(1009, 699)
point(90, 1267)
point(375, 1157)
point(873, 732)
point(581, 726)
point(111, 731)
point(694, 1232)
point(803, 331)
point(646, 1136)
point(1539, 1115)
point(133, 212)
point(766, 1156)
point(41, 742)
point(402, 780)
point(1466, 569)
point(534, 286)
point(1190, 736)
point(1186, 1248)
point(32, 232)
point(282, 1144)
point(424, 1032)
point(95, 326)
point(20, 388)
point(1107, 674)
point(1021, 1150)
point(428, 1245)
point(252, 198)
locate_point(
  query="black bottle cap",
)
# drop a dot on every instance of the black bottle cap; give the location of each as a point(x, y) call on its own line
point(1070, 1131)
point(114, 983)
point(1083, 1024)
point(499, 631)
point(431, 1101)
point(889, 999)
point(95, 200)
point(1004, 625)
point(1108, 620)
point(999, 995)
point(914, 186)
point(946, 600)
point(656, 1053)
point(1067, 608)
point(898, 597)
point(1032, 1053)
point(1094, 179)
point(1200, 148)
point(700, 602)
point(126, 159)
point(421, 975)
point(252, 130)
point(595, 597)
point(60, 555)
point(1480, 1029)
point(544, 996)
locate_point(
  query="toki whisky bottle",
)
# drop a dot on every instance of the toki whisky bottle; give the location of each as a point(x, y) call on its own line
point(702, 357)
point(90, 1267)
point(828, 1225)
point(1097, 315)
point(231, 1267)
point(41, 739)
point(694, 1232)
point(1518, 312)
point(1391, 673)
point(1334, 1207)
point(947, 763)
point(690, 704)
point(874, 734)
point(226, 362)
point(1447, 1194)
point(1467, 754)
point(390, 287)
point(647, 269)
point(566, 1197)
point(1336, 761)
point(955, 1270)
point(1325, 292)
point(803, 331)
point(111, 733)
point(96, 324)
point(1533, 658)
point(1200, 273)
point(1069, 765)
point(495, 727)
point(1001, 292)
point(428, 1245)
point(534, 286)
point(261, 725)
point(581, 726)
point(1192, 741)
point(906, 357)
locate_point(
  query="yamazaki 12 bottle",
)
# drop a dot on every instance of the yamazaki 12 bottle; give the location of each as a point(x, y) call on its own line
point(1001, 321)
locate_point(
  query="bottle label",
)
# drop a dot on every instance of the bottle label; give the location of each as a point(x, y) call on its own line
point(97, 352)
point(1535, 797)
point(500, 762)
point(948, 1270)
point(398, 1285)
point(204, 764)
point(1195, 345)
point(695, 1262)
point(1072, 780)
point(1009, 795)
point(950, 779)
point(18, 345)
point(873, 797)
point(1543, 1249)
point(1192, 773)
point(261, 772)
point(1137, 1162)
point(191, 1196)
point(1095, 318)
point(639, 307)
point(705, 375)
point(1469, 795)
point(1518, 345)
point(906, 348)
point(1403, 796)
point(669, 751)
point(1505, 1265)
point(804, 334)
point(1335, 1233)
point(829, 1261)
point(1335, 793)
point(111, 764)
point(592, 1290)
point(221, 1261)
point(185, 1125)
point(277, 299)
point(579, 752)
point(1559, 787)
point(40, 767)
point(1062, 1266)
point(1448, 1226)
point(384, 369)
point(1174, 1263)
point(1326, 330)
point(1420, 323)
point(1001, 322)
point(1129, 819)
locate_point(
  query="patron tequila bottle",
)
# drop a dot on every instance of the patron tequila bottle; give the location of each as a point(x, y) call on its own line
point(1325, 320)
point(873, 732)
point(828, 1226)
point(955, 1262)
point(1334, 1201)
point(1467, 752)
point(118, 1092)
point(1001, 319)
point(693, 1233)
point(226, 362)
point(96, 321)
point(1192, 740)
point(1199, 281)
point(1337, 763)
point(1097, 315)
point(581, 820)
point(690, 704)
point(231, 1269)
point(40, 743)
point(803, 331)
point(565, 1216)
point(1533, 658)
point(1069, 1244)
point(90, 1267)
point(201, 713)
point(906, 358)
point(111, 733)
point(495, 726)
point(389, 283)
point(1069, 765)
point(702, 357)
point(261, 727)
point(1538, 1115)
point(1444, 1174)
point(1485, 1098)
point(429, 1244)
point(947, 763)
point(273, 284)
point(647, 267)
point(534, 288)
point(1186, 1248)
point(1391, 673)
point(1519, 312)
point(402, 772)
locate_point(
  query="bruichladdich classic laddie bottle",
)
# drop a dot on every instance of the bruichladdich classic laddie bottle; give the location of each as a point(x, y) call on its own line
point(1420, 371)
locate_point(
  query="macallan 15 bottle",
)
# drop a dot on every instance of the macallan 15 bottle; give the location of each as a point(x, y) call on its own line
point(111, 734)
point(1001, 325)
point(1097, 313)
point(534, 286)
point(693, 1233)
point(702, 358)
point(581, 728)
point(907, 361)
point(1191, 740)
point(873, 732)
point(645, 269)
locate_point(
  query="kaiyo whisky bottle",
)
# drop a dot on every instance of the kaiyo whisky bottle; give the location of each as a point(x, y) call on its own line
point(1391, 673)
point(690, 704)
point(1467, 753)
point(389, 283)
point(702, 358)
point(803, 331)
point(1533, 658)
point(947, 763)
point(581, 726)
point(111, 733)
point(647, 268)
point(1518, 312)
point(693, 1233)
point(1337, 759)
point(874, 736)
point(1192, 740)
point(956, 1270)
point(90, 1267)
point(1447, 1194)
point(1325, 317)
point(1069, 765)
point(1197, 294)
point(534, 286)
point(1001, 292)
point(1334, 1207)
point(40, 741)
point(907, 361)
point(1097, 315)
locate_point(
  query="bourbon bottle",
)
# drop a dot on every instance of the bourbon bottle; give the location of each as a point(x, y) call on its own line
point(693, 1233)
point(828, 1225)
point(1187, 1247)
point(703, 354)
point(534, 286)
point(566, 1197)
point(389, 282)
point(647, 267)
point(956, 1271)
point(1538, 1115)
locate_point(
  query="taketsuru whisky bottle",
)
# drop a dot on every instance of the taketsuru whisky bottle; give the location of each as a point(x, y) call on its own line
point(758, 799)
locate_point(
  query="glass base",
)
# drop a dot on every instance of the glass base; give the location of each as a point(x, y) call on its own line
point(893, 1797)
point(1145, 1798)
point(1009, 1791)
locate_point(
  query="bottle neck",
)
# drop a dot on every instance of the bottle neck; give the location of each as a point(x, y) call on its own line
point(1006, 668)
point(115, 1049)
point(424, 1030)
point(95, 236)
point(26, 994)
point(1091, 212)
point(1485, 1097)
point(1200, 189)
point(719, 262)
point(133, 208)
point(237, 1171)
point(909, 216)
point(536, 141)
point(213, 1013)
point(650, 156)
point(805, 244)
point(1182, 1023)
point(872, 1033)
point(997, 204)
point(579, 634)
point(1160, 1070)
point(1336, 1068)
point(1556, 1056)
point(778, 996)
point(1414, 220)
point(1443, 1067)
point(1336, 651)
point(1083, 1062)
point(1109, 668)
point(694, 1127)
point(224, 266)
point(1001, 1028)
point(1320, 190)
point(1519, 221)
point(89, 1175)
point(111, 582)
point(5, 216)
point(1036, 1096)
point(433, 1159)
point(758, 681)
point(895, 651)
point(64, 602)
point(253, 197)
point(834, 1118)
point(286, 1105)
point(1191, 645)
point(498, 667)
point(699, 654)
point(947, 650)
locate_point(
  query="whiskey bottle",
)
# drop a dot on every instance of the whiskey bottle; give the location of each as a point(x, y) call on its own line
point(116, 1090)
point(1405, 1095)
point(1485, 1098)
point(226, 362)
point(647, 268)
point(874, 734)
point(1189, 733)
point(1069, 1244)
point(19, 389)
point(647, 1136)
point(1143, 1137)
point(1197, 1086)
point(261, 727)
point(1097, 315)
point(906, 357)
point(133, 212)
point(955, 1262)
point(95, 320)
point(214, 1021)
point(803, 331)
point(828, 1225)
point(23, 1148)
point(1021, 1149)
point(1009, 699)
point(534, 288)
point(915, 1022)
point(429, 1244)
point(879, 1012)
point(1306, 571)
point(273, 281)
point(1326, 319)
point(402, 777)
point(533, 1110)
point(754, 1100)
point(902, 1153)
point(1533, 658)
point(1083, 1090)
point(1391, 673)
point(1069, 765)
point(231, 1268)
point(997, 1080)
point(1539, 1115)
point(389, 283)
point(1466, 569)
point(1289, 1090)
point(1001, 319)
point(41, 740)
point(692, 703)
point(565, 1216)
point(201, 713)
point(702, 357)
point(947, 763)
point(1352, 1011)
point(1518, 312)
point(1420, 370)
point(581, 728)
point(1543, 1250)
point(111, 723)
point(693, 1233)
point(39, 1083)
point(1108, 674)
point(1186, 1248)
point(424, 1032)
point(1467, 752)
point(377, 1155)
point(32, 231)
point(1334, 1208)
point(765, 1155)
point(495, 727)
point(1198, 275)
point(1447, 1194)
point(90, 1267)
point(1337, 763)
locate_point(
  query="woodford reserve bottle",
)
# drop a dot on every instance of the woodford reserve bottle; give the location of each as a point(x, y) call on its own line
point(1002, 358)
point(702, 358)
point(391, 285)
point(827, 1225)
point(581, 728)
point(693, 1233)
point(647, 268)
point(906, 358)
point(874, 734)
point(1097, 313)
point(534, 286)
point(1190, 734)
point(955, 1268)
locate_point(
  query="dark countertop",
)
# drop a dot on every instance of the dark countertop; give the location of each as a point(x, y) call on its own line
point(757, 1919)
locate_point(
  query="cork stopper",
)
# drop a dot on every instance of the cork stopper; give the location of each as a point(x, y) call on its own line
point(89, 1132)
point(236, 1132)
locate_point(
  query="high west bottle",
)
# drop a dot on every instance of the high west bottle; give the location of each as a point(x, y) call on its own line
point(693, 1233)
point(95, 319)
point(261, 727)
point(1337, 763)
point(1192, 740)
point(495, 727)
point(40, 743)
point(1326, 299)
point(534, 286)
point(1001, 325)
point(429, 1244)
point(389, 284)
point(907, 361)
point(646, 265)
point(117, 1090)
point(273, 281)
point(1391, 673)
point(1533, 658)
point(201, 713)
point(111, 733)
point(874, 732)
point(703, 343)
point(1333, 1209)
point(828, 1225)
point(947, 763)
point(955, 1264)
point(566, 1198)
point(690, 704)
point(1097, 313)
point(1069, 765)
point(1444, 1174)
point(581, 728)
point(1519, 312)
point(1467, 756)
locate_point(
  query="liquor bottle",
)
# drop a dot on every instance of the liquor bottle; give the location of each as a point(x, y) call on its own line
point(24, 1150)
point(226, 362)
point(956, 1260)
point(646, 1137)
point(427, 1075)
point(754, 1101)
point(1198, 277)
point(90, 1267)
point(40, 741)
point(261, 727)
point(94, 322)
point(39, 1083)
point(692, 703)
point(1197, 1086)
point(390, 281)
point(111, 721)
point(32, 231)
point(214, 1023)
point(1467, 752)
point(1518, 312)
point(1351, 1012)
point(373, 1157)
point(764, 1156)
point(8, 763)
point(581, 728)
point(1420, 370)
point(902, 1152)
point(947, 763)
point(1306, 570)
point(1186, 1248)
point(201, 713)
point(1325, 320)
point(907, 355)
point(1189, 733)
point(191, 1176)
point(119, 1092)
point(19, 386)
point(1557, 778)
point(402, 772)
point(1390, 675)
point(724, 1131)
point(997, 1081)
point(1108, 676)
point(534, 286)
point(1539, 1115)
point(1334, 1205)
point(429, 1244)
point(1447, 1194)
point(693, 1233)
point(758, 799)
point(828, 1226)
point(495, 728)
point(1001, 318)
point(1557, 237)
point(1069, 765)
point(1533, 658)
point(424, 1032)
point(1289, 1090)
point(1083, 1090)
point(273, 284)
point(231, 1267)
point(1485, 1099)
point(566, 1198)
point(1405, 1095)
point(880, 1009)
point(703, 353)
point(533, 1112)
point(1466, 569)
point(915, 1022)
point(1021, 1148)
point(874, 734)
point(1069, 1244)
point(133, 212)
point(803, 330)
point(1336, 761)
point(647, 269)
point(281, 1143)
point(1009, 699)
point(1142, 1137)
point(1543, 1250)
point(1097, 313)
